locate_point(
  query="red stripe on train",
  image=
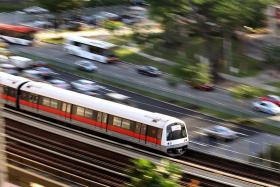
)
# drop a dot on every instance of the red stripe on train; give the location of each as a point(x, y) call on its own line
point(92, 122)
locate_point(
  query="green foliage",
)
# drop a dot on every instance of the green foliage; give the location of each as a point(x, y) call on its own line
point(173, 81)
point(196, 74)
point(272, 54)
point(246, 92)
point(57, 6)
point(146, 173)
point(112, 25)
point(94, 3)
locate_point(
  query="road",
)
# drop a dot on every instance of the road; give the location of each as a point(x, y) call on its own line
point(124, 71)
point(249, 144)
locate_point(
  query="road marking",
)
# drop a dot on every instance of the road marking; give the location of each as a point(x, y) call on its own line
point(224, 145)
point(201, 133)
point(250, 141)
point(198, 143)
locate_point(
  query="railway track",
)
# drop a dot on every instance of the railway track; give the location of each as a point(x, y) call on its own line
point(87, 155)
point(33, 148)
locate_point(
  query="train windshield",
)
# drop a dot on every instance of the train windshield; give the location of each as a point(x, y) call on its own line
point(176, 131)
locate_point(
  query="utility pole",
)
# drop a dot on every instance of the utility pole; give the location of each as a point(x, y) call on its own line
point(3, 169)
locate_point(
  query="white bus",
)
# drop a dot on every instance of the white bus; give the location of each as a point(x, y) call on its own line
point(91, 49)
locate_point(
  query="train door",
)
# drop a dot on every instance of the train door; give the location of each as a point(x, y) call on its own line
point(66, 109)
point(137, 130)
point(143, 133)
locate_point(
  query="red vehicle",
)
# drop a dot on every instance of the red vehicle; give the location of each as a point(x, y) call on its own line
point(22, 35)
point(203, 87)
point(272, 98)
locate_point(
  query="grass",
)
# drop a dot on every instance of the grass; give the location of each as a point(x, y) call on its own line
point(275, 83)
point(57, 41)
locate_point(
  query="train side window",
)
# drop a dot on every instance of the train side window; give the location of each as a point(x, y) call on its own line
point(117, 121)
point(152, 131)
point(34, 99)
point(54, 103)
point(23, 95)
point(12, 92)
point(46, 101)
point(137, 128)
point(99, 116)
point(64, 107)
point(126, 124)
point(143, 129)
point(88, 113)
point(104, 118)
point(159, 134)
point(80, 111)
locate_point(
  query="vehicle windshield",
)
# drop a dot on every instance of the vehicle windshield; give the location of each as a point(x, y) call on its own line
point(176, 131)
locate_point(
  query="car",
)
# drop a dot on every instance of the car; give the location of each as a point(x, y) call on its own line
point(9, 68)
point(40, 64)
point(84, 86)
point(60, 83)
point(85, 65)
point(118, 98)
point(148, 70)
point(272, 98)
point(110, 16)
point(266, 107)
point(127, 19)
point(202, 87)
point(45, 72)
point(220, 132)
point(32, 74)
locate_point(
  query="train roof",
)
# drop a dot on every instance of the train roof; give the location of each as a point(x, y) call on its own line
point(88, 41)
point(116, 109)
point(11, 80)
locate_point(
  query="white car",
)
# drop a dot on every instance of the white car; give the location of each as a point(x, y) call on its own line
point(59, 83)
point(220, 132)
point(266, 107)
point(85, 85)
point(45, 72)
point(9, 68)
point(32, 74)
point(85, 65)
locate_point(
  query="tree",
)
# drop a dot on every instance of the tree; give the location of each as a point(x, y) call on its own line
point(205, 15)
point(112, 25)
point(195, 74)
point(146, 173)
point(58, 6)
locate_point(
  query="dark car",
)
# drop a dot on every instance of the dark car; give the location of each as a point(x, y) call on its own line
point(149, 71)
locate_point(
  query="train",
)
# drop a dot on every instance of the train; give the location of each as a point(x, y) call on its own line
point(154, 130)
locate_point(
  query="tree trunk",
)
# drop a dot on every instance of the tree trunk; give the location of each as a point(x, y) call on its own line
point(227, 50)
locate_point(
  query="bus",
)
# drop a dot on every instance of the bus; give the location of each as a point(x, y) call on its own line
point(22, 35)
point(91, 49)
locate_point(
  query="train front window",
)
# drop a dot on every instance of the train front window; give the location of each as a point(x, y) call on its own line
point(176, 131)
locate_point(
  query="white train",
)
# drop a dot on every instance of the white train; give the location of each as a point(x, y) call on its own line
point(154, 130)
